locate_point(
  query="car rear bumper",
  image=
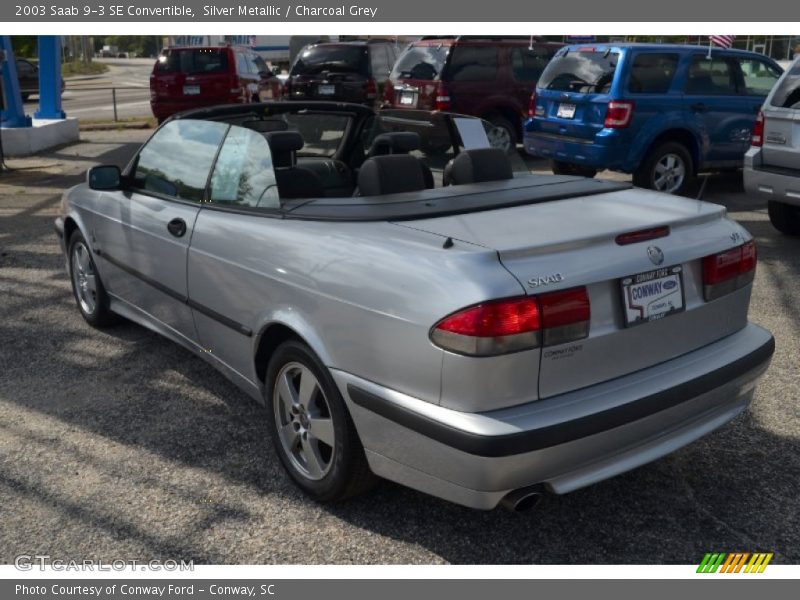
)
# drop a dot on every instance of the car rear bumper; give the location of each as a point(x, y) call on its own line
point(599, 152)
point(58, 226)
point(781, 185)
point(561, 443)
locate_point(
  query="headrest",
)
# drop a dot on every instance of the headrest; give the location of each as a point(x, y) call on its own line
point(477, 165)
point(397, 142)
point(284, 141)
point(391, 174)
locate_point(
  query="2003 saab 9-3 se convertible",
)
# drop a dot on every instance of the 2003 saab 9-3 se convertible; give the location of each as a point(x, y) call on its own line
point(407, 305)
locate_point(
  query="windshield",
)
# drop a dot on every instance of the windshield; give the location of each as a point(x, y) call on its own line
point(787, 94)
point(193, 60)
point(339, 59)
point(586, 72)
point(322, 132)
point(421, 62)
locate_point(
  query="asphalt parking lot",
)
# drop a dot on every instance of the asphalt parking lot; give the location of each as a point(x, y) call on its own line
point(121, 445)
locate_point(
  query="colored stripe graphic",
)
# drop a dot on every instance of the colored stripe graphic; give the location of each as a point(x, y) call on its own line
point(711, 562)
point(734, 562)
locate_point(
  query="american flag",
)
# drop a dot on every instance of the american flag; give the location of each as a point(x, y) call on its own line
point(723, 41)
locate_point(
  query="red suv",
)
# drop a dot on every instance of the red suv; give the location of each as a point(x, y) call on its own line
point(196, 76)
point(488, 77)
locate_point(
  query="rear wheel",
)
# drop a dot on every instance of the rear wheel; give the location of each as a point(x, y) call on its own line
point(564, 168)
point(86, 284)
point(667, 168)
point(784, 217)
point(503, 135)
point(311, 429)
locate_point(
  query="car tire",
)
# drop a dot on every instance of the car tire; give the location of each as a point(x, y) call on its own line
point(667, 168)
point(311, 428)
point(784, 217)
point(87, 287)
point(506, 135)
point(564, 168)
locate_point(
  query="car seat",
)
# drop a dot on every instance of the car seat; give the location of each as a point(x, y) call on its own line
point(478, 165)
point(293, 181)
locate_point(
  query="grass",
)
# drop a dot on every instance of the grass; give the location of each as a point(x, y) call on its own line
point(69, 69)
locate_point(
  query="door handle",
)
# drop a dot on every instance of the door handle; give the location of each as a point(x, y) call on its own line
point(698, 107)
point(177, 227)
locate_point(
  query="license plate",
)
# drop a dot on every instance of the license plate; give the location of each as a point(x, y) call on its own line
point(652, 295)
point(326, 90)
point(191, 90)
point(407, 98)
point(566, 111)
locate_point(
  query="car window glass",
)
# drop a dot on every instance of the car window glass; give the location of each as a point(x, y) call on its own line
point(331, 58)
point(380, 62)
point(759, 76)
point(527, 64)
point(582, 71)
point(652, 73)
point(242, 65)
point(243, 174)
point(193, 61)
point(787, 94)
point(24, 68)
point(420, 62)
point(258, 64)
point(714, 76)
point(177, 159)
point(473, 63)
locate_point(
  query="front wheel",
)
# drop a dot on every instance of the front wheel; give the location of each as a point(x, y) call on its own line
point(784, 217)
point(667, 168)
point(311, 429)
point(87, 286)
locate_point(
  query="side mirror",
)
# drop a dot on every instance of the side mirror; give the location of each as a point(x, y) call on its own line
point(104, 177)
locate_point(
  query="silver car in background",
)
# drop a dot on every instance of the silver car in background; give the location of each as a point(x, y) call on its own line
point(407, 305)
point(772, 165)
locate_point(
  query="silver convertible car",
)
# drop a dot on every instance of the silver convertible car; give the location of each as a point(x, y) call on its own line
point(408, 303)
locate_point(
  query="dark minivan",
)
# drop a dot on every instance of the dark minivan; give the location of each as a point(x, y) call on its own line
point(341, 71)
point(484, 76)
point(196, 76)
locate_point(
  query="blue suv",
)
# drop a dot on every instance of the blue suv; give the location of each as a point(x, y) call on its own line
point(660, 111)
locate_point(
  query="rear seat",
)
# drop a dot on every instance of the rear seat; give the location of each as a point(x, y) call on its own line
point(293, 181)
point(478, 165)
point(391, 174)
point(399, 142)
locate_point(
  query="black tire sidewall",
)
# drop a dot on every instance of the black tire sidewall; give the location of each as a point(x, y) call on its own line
point(336, 482)
point(644, 176)
point(784, 217)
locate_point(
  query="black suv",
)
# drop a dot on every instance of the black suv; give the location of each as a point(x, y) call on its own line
point(342, 71)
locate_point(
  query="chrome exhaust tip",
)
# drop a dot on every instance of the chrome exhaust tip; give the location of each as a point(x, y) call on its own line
point(522, 500)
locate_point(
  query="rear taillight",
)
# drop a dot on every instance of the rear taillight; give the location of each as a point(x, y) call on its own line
point(441, 99)
point(372, 89)
point(757, 138)
point(515, 324)
point(532, 105)
point(728, 271)
point(619, 114)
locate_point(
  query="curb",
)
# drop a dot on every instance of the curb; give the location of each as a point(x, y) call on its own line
point(111, 125)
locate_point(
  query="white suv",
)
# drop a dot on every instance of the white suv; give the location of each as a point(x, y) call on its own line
point(772, 165)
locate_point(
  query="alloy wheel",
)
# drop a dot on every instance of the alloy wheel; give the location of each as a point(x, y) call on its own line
point(84, 278)
point(303, 421)
point(669, 173)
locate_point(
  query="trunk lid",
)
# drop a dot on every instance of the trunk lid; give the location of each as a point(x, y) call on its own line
point(416, 76)
point(569, 243)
